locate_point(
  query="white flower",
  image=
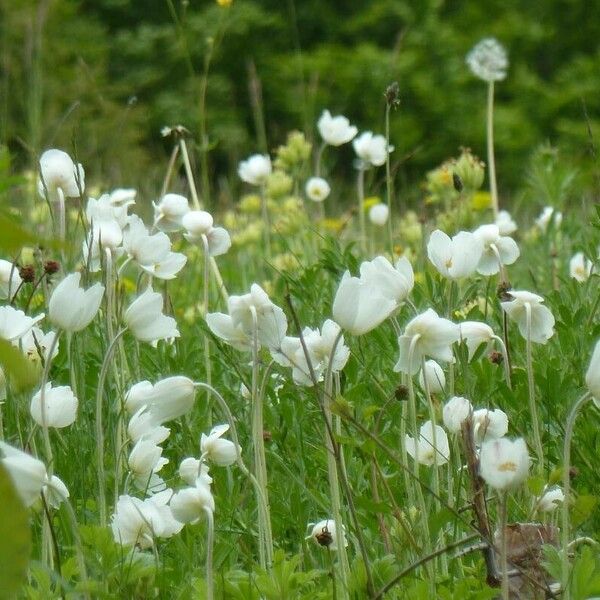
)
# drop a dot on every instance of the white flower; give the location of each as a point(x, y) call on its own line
point(457, 257)
point(540, 318)
point(10, 280)
point(71, 307)
point(378, 214)
point(223, 327)
point(256, 309)
point(55, 491)
point(199, 225)
point(550, 499)
point(505, 223)
point(189, 504)
point(14, 324)
point(217, 450)
point(28, 474)
point(138, 522)
point(580, 267)
point(110, 207)
point(34, 341)
point(475, 333)
point(169, 212)
point(434, 376)
point(152, 252)
point(428, 335)
point(504, 463)
point(547, 216)
point(59, 174)
point(143, 425)
point(136, 396)
point(592, 376)
point(455, 412)
point(145, 460)
point(122, 197)
point(60, 406)
point(371, 149)
point(496, 249)
point(317, 189)
point(325, 534)
point(427, 450)
point(393, 282)
point(256, 169)
point(489, 424)
point(337, 130)
point(488, 60)
point(191, 469)
point(145, 319)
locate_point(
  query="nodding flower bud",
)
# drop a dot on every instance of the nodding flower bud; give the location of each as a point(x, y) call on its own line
point(392, 94)
point(51, 267)
point(27, 273)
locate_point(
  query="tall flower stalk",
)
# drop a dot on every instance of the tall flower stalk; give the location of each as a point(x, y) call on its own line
point(537, 438)
point(490, 148)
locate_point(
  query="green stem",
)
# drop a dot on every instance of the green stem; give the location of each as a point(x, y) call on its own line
point(360, 188)
point(503, 547)
point(490, 148)
point(389, 181)
point(210, 542)
point(539, 449)
point(189, 174)
point(45, 431)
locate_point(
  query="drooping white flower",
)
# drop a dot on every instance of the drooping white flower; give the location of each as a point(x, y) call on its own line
point(592, 376)
point(152, 252)
point(504, 463)
point(218, 450)
point(457, 257)
point(10, 280)
point(71, 307)
point(55, 491)
point(317, 189)
point(190, 504)
point(143, 425)
point(223, 327)
point(14, 324)
point(505, 223)
point(198, 225)
point(488, 61)
point(455, 412)
point(431, 448)
point(324, 533)
point(540, 319)
point(371, 149)
point(256, 169)
point(110, 207)
point(28, 474)
point(393, 282)
point(145, 319)
point(145, 460)
point(580, 267)
point(475, 333)
point(191, 469)
point(60, 406)
point(337, 130)
point(433, 376)
point(59, 174)
point(379, 214)
point(550, 499)
point(549, 215)
point(169, 212)
point(489, 424)
point(426, 335)
point(35, 341)
point(497, 249)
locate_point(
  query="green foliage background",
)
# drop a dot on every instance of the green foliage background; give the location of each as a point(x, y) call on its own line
point(106, 75)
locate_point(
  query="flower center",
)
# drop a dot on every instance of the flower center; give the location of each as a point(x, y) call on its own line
point(507, 466)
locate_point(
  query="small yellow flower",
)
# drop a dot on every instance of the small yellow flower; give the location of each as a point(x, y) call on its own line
point(371, 201)
point(481, 200)
point(334, 225)
point(225, 3)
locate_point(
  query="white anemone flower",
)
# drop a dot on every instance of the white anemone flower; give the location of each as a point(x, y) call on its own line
point(337, 130)
point(432, 378)
point(28, 474)
point(504, 463)
point(191, 470)
point(223, 327)
point(457, 257)
point(152, 252)
point(59, 175)
point(371, 149)
point(10, 280)
point(256, 169)
point(145, 319)
point(580, 267)
point(14, 324)
point(391, 281)
point(489, 424)
point(379, 214)
point(488, 61)
point(169, 212)
point(190, 504)
point(324, 533)
point(431, 448)
point(592, 376)
point(317, 189)
point(71, 307)
point(36, 344)
point(426, 335)
point(145, 461)
point(505, 223)
point(497, 249)
point(217, 450)
point(550, 499)
point(455, 412)
point(549, 216)
point(60, 406)
point(199, 227)
point(475, 333)
point(527, 310)
point(55, 491)
point(110, 207)
point(143, 425)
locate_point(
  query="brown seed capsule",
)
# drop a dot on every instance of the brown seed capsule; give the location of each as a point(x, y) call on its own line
point(27, 273)
point(267, 436)
point(573, 472)
point(503, 291)
point(324, 538)
point(401, 393)
point(392, 94)
point(51, 267)
point(496, 357)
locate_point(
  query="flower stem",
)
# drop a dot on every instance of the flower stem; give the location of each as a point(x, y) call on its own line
point(565, 526)
point(389, 181)
point(266, 221)
point(189, 174)
point(490, 148)
point(539, 449)
point(210, 541)
point(503, 546)
point(206, 289)
point(505, 360)
point(360, 188)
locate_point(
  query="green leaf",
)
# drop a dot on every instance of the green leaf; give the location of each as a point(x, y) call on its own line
point(12, 236)
point(583, 508)
point(15, 539)
point(19, 370)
